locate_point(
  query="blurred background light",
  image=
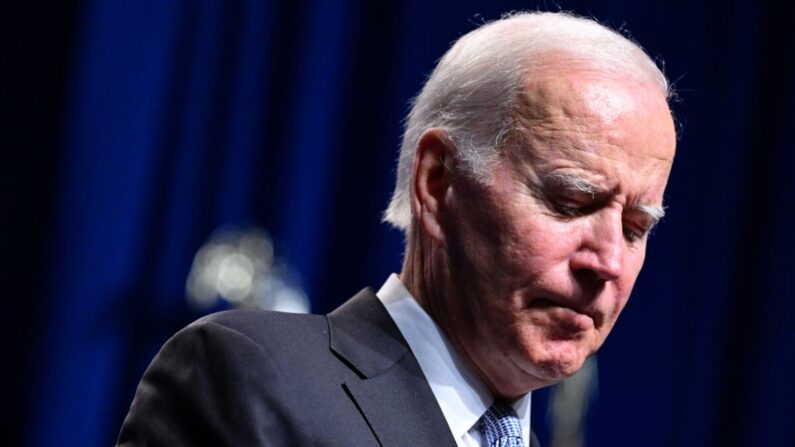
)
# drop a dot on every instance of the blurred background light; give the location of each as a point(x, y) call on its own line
point(238, 266)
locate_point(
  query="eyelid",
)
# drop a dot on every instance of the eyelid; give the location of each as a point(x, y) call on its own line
point(644, 230)
point(569, 207)
point(569, 211)
point(633, 236)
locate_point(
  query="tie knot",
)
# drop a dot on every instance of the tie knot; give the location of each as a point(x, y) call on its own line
point(500, 427)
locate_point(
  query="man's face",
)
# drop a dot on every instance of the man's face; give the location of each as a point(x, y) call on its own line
point(543, 259)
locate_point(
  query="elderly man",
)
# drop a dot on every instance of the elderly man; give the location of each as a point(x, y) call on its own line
point(532, 169)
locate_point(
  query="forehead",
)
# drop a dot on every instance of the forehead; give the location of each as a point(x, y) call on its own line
point(594, 120)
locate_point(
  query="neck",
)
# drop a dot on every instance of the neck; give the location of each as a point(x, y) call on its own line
point(418, 273)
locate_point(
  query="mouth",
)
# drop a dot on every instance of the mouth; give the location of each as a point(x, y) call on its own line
point(569, 313)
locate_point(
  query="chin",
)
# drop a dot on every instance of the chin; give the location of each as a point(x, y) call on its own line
point(559, 360)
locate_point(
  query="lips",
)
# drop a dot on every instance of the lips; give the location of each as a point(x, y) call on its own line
point(546, 303)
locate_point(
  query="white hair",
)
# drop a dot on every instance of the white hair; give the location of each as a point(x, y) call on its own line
point(472, 92)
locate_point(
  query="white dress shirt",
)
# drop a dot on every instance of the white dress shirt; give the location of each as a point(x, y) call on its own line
point(462, 396)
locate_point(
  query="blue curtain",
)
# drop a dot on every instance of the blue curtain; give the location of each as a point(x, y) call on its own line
point(176, 118)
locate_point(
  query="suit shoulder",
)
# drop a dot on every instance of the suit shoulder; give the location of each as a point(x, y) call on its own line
point(233, 316)
point(226, 379)
point(263, 327)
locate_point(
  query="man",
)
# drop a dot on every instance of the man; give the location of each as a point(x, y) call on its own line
point(532, 169)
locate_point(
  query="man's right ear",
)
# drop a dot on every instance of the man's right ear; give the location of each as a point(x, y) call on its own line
point(432, 188)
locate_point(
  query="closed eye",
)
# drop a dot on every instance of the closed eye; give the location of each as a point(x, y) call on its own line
point(634, 235)
point(640, 220)
point(576, 204)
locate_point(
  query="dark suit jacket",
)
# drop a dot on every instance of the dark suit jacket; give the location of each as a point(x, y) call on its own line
point(248, 377)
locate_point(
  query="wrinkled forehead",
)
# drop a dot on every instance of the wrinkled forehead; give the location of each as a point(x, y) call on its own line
point(581, 109)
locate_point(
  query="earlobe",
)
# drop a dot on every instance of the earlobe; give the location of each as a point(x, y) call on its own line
point(433, 165)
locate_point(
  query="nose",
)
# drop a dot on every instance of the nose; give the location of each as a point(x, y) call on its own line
point(602, 249)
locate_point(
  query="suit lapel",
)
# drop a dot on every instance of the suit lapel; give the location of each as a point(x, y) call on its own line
point(391, 392)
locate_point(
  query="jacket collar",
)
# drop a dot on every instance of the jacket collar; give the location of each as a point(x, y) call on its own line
point(391, 392)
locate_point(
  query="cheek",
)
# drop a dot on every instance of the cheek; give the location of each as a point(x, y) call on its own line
point(542, 244)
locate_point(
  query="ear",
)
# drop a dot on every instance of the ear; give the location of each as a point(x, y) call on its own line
point(432, 186)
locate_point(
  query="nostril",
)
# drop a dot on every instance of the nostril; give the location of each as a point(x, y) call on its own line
point(590, 283)
point(600, 265)
point(587, 276)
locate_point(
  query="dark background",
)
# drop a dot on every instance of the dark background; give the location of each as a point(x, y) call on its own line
point(132, 130)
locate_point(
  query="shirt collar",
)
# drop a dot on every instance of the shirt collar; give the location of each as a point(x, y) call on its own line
point(462, 396)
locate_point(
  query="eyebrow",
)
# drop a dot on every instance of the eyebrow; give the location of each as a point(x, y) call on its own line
point(576, 183)
point(573, 183)
point(654, 212)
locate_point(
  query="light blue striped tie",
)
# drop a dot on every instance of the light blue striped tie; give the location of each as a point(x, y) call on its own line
point(500, 427)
